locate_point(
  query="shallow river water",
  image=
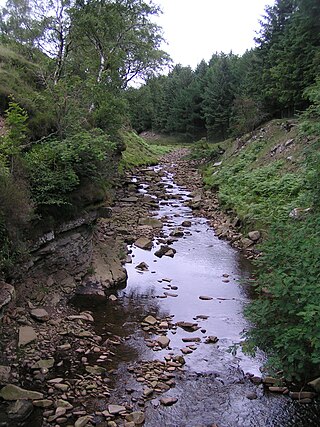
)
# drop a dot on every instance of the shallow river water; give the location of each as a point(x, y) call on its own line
point(213, 389)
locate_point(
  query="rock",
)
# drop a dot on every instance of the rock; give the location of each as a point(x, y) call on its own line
point(150, 320)
point(20, 410)
point(252, 395)
point(170, 294)
point(148, 392)
point(212, 339)
point(44, 363)
point(82, 316)
point(113, 297)
point(44, 403)
point(246, 243)
point(4, 374)
point(171, 253)
point(188, 326)
point(315, 384)
point(7, 293)
point(13, 392)
point(40, 314)
point(151, 222)
point(163, 341)
point(205, 297)
point(144, 243)
point(186, 350)
point(300, 395)
point(137, 417)
point(116, 409)
point(142, 266)
point(95, 370)
point(82, 421)
point(186, 224)
point(26, 335)
point(165, 250)
point(177, 233)
point(60, 403)
point(278, 389)
point(254, 235)
point(168, 401)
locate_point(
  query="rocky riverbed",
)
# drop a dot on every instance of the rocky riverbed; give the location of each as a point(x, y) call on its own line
point(155, 343)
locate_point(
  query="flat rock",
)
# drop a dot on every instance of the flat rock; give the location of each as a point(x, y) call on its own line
point(43, 403)
point(150, 320)
point(116, 409)
point(26, 335)
point(163, 341)
point(20, 410)
point(168, 401)
point(143, 243)
point(205, 297)
point(151, 222)
point(82, 421)
point(212, 339)
point(40, 314)
point(188, 326)
point(13, 392)
point(44, 363)
point(95, 370)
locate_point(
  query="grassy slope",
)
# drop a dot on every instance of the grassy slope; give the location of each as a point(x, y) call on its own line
point(258, 183)
point(139, 152)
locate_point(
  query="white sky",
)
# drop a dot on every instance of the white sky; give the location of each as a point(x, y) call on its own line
point(195, 29)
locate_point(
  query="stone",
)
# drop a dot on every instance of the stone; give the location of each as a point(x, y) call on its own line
point(82, 316)
point(95, 370)
point(254, 235)
point(113, 298)
point(186, 224)
point(150, 320)
point(44, 403)
point(144, 243)
point(168, 401)
point(205, 297)
point(151, 222)
point(188, 326)
point(300, 395)
point(63, 404)
point(142, 266)
point(7, 293)
point(40, 314)
point(82, 421)
point(186, 350)
point(20, 410)
point(212, 339)
point(4, 374)
point(177, 233)
point(44, 363)
point(278, 389)
point(315, 384)
point(252, 395)
point(148, 392)
point(116, 409)
point(26, 335)
point(13, 392)
point(246, 243)
point(163, 341)
point(136, 417)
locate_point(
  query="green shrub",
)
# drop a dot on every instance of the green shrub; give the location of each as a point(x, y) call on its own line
point(57, 168)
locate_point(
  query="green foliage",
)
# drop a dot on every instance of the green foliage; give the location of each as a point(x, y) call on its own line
point(259, 194)
point(57, 168)
point(201, 150)
point(16, 132)
point(287, 321)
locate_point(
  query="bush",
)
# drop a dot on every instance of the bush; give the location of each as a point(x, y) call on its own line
point(58, 168)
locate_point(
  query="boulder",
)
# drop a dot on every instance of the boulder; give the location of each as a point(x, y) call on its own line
point(142, 266)
point(116, 409)
point(20, 410)
point(163, 341)
point(186, 223)
point(143, 243)
point(40, 314)
point(26, 335)
point(315, 384)
point(168, 401)
point(137, 418)
point(254, 235)
point(13, 392)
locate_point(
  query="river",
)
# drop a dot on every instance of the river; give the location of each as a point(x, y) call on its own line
point(214, 387)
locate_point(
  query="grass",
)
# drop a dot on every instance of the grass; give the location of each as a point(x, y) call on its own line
point(139, 152)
